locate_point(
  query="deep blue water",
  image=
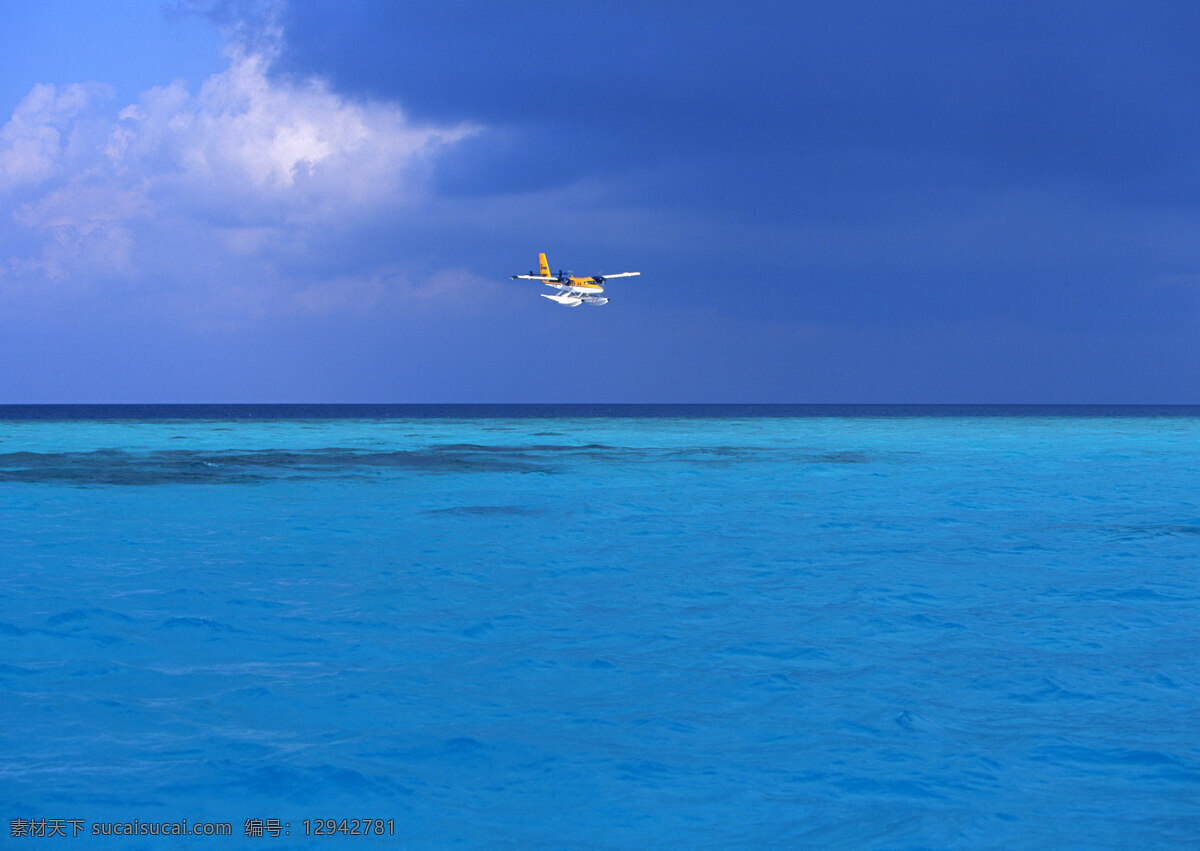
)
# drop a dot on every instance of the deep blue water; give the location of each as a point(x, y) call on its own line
point(606, 626)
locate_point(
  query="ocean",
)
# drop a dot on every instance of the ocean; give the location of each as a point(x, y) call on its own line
point(601, 626)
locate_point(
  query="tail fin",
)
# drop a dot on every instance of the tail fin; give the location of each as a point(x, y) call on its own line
point(545, 266)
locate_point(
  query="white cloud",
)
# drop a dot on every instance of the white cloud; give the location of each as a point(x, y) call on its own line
point(247, 135)
point(204, 187)
point(34, 142)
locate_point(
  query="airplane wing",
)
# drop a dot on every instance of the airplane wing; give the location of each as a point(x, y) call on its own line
point(618, 275)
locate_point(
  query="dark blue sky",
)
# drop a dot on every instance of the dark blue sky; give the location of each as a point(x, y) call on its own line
point(877, 202)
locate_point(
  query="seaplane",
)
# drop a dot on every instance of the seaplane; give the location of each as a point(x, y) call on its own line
point(572, 291)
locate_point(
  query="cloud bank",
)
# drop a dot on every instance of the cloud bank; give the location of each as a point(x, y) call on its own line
point(214, 201)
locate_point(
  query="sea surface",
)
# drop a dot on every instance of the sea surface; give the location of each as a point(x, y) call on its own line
point(603, 626)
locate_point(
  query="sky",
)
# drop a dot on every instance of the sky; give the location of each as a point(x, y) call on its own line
point(303, 201)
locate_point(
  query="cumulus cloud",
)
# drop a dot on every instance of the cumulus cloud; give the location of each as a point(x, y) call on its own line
point(34, 142)
point(201, 187)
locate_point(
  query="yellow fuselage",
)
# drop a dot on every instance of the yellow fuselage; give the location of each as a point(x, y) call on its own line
point(569, 283)
point(579, 286)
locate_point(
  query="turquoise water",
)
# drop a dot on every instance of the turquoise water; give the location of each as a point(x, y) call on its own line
point(607, 631)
